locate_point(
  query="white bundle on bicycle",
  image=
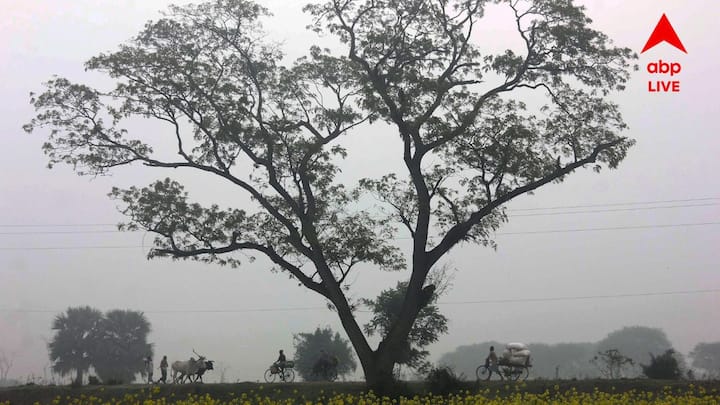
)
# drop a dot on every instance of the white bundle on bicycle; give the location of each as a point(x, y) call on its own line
point(516, 354)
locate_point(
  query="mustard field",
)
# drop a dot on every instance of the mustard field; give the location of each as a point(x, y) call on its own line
point(498, 394)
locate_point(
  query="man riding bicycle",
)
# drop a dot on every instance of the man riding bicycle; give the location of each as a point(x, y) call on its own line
point(280, 363)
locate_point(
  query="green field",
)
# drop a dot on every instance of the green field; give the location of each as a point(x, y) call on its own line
point(303, 391)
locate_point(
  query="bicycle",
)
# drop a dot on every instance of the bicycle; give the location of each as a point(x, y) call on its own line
point(287, 374)
point(510, 371)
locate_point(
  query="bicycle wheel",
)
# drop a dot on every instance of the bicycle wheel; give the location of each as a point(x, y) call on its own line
point(482, 373)
point(516, 372)
point(270, 376)
point(289, 375)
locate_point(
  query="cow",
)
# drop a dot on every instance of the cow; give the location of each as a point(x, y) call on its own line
point(207, 366)
point(192, 370)
point(187, 369)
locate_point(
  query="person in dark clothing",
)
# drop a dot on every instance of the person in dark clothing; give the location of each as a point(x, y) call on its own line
point(491, 361)
point(280, 362)
point(163, 370)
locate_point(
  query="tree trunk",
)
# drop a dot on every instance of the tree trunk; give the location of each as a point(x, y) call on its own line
point(79, 377)
point(379, 373)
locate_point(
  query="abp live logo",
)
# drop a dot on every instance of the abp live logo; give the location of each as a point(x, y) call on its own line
point(664, 32)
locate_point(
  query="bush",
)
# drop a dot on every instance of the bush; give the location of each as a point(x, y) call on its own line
point(443, 381)
point(663, 367)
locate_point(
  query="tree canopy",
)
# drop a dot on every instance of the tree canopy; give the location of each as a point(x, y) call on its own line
point(664, 366)
point(308, 347)
point(113, 344)
point(121, 346)
point(707, 357)
point(476, 130)
point(428, 326)
point(70, 349)
point(638, 343)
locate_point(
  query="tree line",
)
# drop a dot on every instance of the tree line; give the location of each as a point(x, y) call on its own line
point(644, 346)
point(113, 343)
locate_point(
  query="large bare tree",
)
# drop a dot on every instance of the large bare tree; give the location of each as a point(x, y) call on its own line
point(235, 110)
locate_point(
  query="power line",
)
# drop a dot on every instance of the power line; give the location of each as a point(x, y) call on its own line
point(512, 210)
point(616, 228)
point(318, 308)
point(64, 232)
point(71, 247)
point(52, 225)
point(617, 204)
point(512, 216)
point(584, 297)
point(612, 210)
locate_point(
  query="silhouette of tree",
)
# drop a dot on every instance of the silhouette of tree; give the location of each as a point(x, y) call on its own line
point(308, 347)
point(121, 346)
point(611, 363)
point(468, 143)
point(663, 367)
point(707, 357)
point(76, 333)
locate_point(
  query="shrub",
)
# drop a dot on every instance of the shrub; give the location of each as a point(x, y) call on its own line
point(663, 367)
point(443, 381)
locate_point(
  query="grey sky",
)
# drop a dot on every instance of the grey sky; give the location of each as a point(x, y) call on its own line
point(676, 158)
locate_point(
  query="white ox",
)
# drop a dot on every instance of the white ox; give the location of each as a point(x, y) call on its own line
point(187, 369)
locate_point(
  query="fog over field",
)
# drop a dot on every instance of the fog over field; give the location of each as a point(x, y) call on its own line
point(571, 265)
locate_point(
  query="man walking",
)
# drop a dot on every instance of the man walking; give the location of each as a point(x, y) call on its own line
point(149, 368)
point(163, 370)
point(491, 362)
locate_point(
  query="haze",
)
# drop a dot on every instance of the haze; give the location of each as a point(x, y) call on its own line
point(241, 317)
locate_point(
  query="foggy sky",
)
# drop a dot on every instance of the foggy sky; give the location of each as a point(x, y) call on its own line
point(240, 317)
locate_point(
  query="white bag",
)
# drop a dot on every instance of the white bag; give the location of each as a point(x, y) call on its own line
point(516, 346)
point(521, 353)
point(519, 360)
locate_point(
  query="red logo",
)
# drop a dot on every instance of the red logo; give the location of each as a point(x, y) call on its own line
point(664, 69)
point(664, 32)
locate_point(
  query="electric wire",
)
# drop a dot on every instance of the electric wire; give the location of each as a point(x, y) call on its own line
point(616, 228)
point(474, 302)
point(511, 210)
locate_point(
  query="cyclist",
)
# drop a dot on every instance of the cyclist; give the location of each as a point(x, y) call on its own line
point(280, 363)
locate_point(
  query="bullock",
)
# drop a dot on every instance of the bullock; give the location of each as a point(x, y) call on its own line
point(207, 366)
point(191, 369)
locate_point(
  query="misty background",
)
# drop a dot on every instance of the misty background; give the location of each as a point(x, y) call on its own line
point(59, 246)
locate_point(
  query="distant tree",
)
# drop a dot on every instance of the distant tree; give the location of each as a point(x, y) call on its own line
point(570, 359)
point(663, 367)
point(428, 326)
point(120, 346)
point(611, 363)
point(636, 342)
point(562, 360)
point(309, 345)
point(707, 357)
point(76, 333)
point(465, 359)
point(6, 363)
point(475, 128)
